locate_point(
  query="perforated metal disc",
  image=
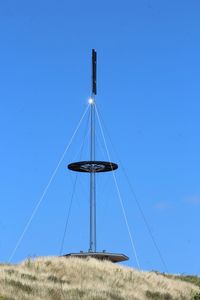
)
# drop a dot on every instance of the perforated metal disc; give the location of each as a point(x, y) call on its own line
point(92, 166)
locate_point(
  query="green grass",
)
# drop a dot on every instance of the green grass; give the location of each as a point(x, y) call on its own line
point(158, 296)
point(55, 279)
point(187, 278)
point(6, 298)
point(28, 277)
point(19, 286)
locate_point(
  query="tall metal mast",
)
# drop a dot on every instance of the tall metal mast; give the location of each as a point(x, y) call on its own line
point(92, 167)
point(92, 247)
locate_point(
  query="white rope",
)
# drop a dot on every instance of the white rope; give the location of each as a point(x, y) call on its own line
point(119, 195)
point(46, 188)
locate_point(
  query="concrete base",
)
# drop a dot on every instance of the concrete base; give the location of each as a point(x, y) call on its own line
point(113, 257)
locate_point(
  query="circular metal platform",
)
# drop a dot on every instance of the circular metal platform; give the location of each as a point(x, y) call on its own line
point(92, 166)
point(113, 257)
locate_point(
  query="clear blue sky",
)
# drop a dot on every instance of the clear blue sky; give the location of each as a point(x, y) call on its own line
point(148, 95)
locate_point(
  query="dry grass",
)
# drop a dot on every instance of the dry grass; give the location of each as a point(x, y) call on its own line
point(73, 279)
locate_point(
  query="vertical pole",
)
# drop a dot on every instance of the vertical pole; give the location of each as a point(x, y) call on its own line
point(92, 158)
point(92, 185)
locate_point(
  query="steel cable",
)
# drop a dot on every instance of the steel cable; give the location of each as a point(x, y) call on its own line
point(46, 188)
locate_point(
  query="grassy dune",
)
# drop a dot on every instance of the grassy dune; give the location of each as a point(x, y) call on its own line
point(73, 278)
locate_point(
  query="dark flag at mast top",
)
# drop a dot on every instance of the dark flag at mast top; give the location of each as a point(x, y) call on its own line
point(93, 167)
point(94, 72)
